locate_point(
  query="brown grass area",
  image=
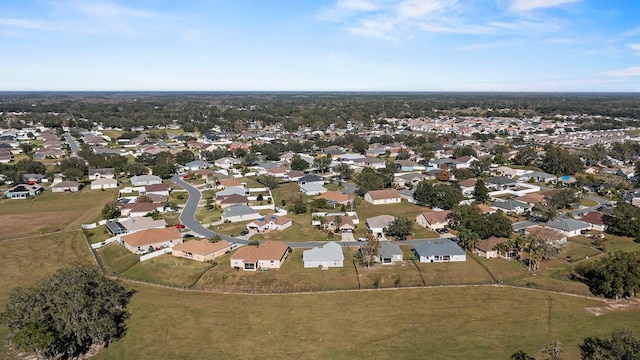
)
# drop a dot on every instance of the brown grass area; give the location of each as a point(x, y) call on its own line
point(396, 275)
point(51, 212)
point(291, 277)
point(467, 272)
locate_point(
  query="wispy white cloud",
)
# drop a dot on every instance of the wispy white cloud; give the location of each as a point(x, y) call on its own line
point(397, 19)
point(634, 47)
point(528, 5)
point(88, 17)
point(626, 72)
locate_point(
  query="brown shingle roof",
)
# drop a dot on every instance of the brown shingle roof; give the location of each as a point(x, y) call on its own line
point(384, 194)
point(490, 243)
point(202, 247)
point(152, 236)
point(336, 196)
point(436, 216)
point(270, 250)
point(593, 217)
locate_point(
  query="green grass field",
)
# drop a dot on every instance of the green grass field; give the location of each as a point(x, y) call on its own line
point(116, 258)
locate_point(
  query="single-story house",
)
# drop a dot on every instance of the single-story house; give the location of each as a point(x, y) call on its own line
point(547, 235)
point(66, 186)
point(23, 191)
point(386, 196)
point(140, 209)
point(278, 172)
point(488, 248)
point(232, 199)
point(433, 219)
point(138, 223)
point(312, 189)
point(293, 175)
point(104, 183)
point(268, 223)
point(500, 182)
point(441, 250)
point(539, 176)
point(310, 179)
point(268, 255)
point(201, 250)
point(158, 189)
point(239, 212)
point(106, 173)
point(224, 193)
point(511, 206)
point(378, 224)
point(335, 198)
point(568, 227)
point(345, 224)
point(595, 220)
point(196, 165)
point(226, 162)
point(329, 255)
point(144, 180)
point(151, 239)
point(389, 253)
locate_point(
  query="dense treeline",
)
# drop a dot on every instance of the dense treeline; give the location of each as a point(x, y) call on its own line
point(230, 111)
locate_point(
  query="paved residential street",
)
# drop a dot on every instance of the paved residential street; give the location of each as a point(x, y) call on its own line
point(72, 144)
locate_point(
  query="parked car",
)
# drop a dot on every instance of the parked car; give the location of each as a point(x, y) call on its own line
point(180, 226)
point(442, 231)
point(187, 236)
point(244, 232)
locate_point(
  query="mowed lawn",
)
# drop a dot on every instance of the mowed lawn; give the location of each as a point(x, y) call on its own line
point(50, 212)
point(116, 258)
point(435, 323)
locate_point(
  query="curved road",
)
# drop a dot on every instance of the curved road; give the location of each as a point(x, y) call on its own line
point(188, 218)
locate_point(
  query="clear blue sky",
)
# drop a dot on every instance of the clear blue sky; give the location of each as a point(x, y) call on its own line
point(323, 45)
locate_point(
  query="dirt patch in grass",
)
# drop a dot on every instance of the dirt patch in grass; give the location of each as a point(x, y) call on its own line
point(632, 304)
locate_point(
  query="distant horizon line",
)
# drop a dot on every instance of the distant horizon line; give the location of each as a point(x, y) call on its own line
point(317, 91)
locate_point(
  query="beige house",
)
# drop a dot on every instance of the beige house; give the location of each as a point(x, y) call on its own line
point(268, 255)
point(201, 250)
point(104, 183)
point(268, 223)
point(488, 248)
point(433, 219)
point(380, 197)
point(66, 186)
point(151, 239)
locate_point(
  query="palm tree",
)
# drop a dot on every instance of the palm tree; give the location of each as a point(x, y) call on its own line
point(468, 239)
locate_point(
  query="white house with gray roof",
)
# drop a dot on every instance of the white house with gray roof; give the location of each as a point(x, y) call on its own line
point(329, 255)
point(390, 253)
point(144, 180)
point(378, 224)
point(441, 250)
point(568, 227)
point(239, 212)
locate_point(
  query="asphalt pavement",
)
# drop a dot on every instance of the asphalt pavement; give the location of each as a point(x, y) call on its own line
point(72, 144)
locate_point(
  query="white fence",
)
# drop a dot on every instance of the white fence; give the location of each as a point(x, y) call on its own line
point(104, 243)
point(263, 207)
point(155, 254)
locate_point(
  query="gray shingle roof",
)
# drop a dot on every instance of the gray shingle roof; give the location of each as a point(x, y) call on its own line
point(567, 224)
point(237, 210)
point(389, 249)
point(438, 247)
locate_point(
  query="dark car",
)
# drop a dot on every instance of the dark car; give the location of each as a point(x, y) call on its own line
point(186, 236)
point(442, 231)
point(244, 232)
